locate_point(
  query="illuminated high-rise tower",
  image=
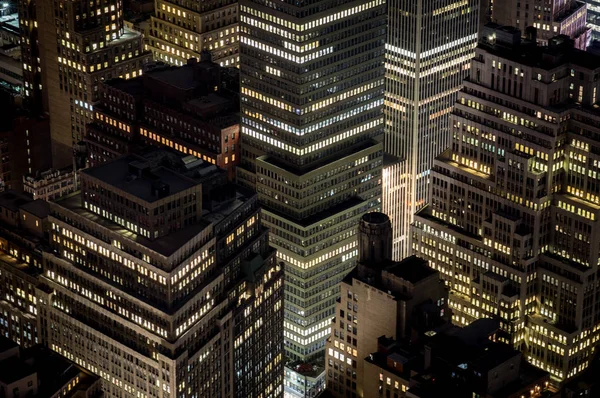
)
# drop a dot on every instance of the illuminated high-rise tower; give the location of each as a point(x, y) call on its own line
point(69, 47)
point(430, 45)
point(312, 83)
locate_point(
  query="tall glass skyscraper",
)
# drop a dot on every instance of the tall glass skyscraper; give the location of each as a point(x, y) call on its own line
point(429, 48)
point(312, 86)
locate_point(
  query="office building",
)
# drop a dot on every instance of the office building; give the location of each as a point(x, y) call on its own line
point(138, 17)
point(512, 225)
point(68, 49)
point(10, 34)
point(458, 362)
point(157, 281)
point(429, 48)
point(557, 17)
point(311, 104)
point(392, 337)
point(380, 297)
point(33, 98)
point(181, 31)
point(39, 372)
point(190, 299)
point(193, 109)
point(593, 18)
point(23, 239)
point(51, 184)
point(24, 142)
point(11, 78)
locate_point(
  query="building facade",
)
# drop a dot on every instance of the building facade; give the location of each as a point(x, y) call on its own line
point(558, 17)
point(380, 297)
point(193, 109)
point(24, 142)
point(156, 287)
point(181, 31)
point(512, 225)
point(428, 52)
point(311, 100)
point(33, 99)
point(41, 373)
point(63, 67)
point(51, 184)
point(593, 18)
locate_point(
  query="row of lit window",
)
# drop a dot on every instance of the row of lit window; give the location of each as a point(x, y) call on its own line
point(181, 148)
point(313, 24)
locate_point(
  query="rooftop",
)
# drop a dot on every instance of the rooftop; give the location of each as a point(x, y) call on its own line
point(198, 89)
point(13, 369)
point(559, 51)
point(396, 353)
point(12, 200)
point(38, 208)
point(529, 375)
point(412, 269)
point(10, 22)
point(52, 371)
point(120, 175)
point(476, 332)
point(376, 217)
point(180, 77)
point(322, 215)
point(300, 171)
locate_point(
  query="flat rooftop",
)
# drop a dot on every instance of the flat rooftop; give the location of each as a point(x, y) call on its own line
point(13, 369)
point(413, 269)
point(39, 208)
point(13, 200)
point(130, 86)
point(166, 245)
point(546, 58)
point(222, 210)
point(180, 77)
point(118, 174)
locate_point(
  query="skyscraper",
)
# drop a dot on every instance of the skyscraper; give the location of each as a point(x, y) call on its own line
point(557, 17)
point(69, 47)
point(512, 225)
point(429, 48)
point(180, 31)
point(312, 82)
